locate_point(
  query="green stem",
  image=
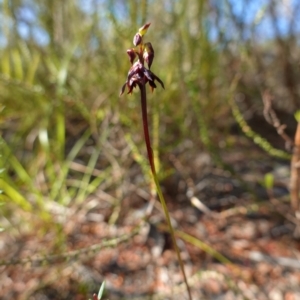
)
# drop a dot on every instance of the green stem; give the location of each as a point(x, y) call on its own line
point(158, 189)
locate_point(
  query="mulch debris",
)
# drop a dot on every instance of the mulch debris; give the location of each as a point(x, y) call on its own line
point(236, 218)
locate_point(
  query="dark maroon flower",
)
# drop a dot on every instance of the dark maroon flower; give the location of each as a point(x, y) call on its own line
point(139, 75)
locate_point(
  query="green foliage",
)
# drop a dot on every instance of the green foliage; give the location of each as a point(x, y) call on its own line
point(255, 137)
point(101, 290)
point(269, 181)
point(297, 116)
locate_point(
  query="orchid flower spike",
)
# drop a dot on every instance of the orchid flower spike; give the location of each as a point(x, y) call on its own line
point(138, 74)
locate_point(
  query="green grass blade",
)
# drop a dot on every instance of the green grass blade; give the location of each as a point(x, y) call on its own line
point(14, 196)
point(101, 290)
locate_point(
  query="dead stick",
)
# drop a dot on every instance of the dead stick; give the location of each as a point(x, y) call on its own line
point(295, 172)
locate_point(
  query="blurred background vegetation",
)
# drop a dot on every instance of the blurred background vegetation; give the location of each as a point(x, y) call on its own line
point(67, 136)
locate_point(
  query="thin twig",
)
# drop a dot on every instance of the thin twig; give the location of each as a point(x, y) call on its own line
point(272, 119)
point(66, 256)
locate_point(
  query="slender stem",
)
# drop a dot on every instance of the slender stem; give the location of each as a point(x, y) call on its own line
point(142, 87)
point(145, 126)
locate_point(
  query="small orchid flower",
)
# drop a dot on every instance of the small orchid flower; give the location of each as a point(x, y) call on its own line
point(148, 54)
point(138, 74)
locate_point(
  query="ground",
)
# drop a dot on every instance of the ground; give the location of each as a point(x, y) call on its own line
point(250, 249)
